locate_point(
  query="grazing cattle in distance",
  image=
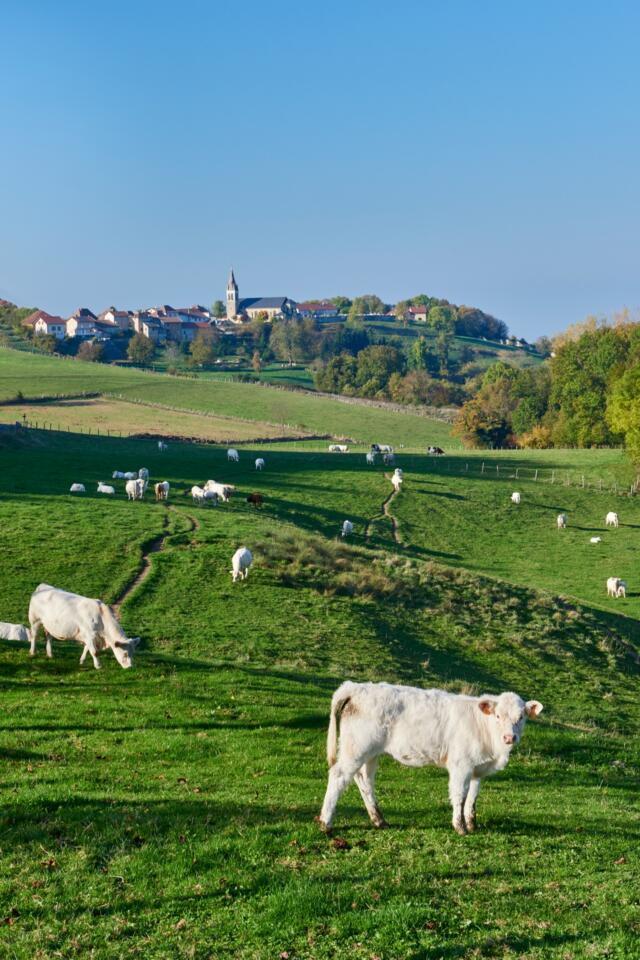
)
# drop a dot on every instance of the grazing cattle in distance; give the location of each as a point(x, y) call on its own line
point(77, 488)
point(611, 519)
point(162, 490)
point(131, 475)
point(471, 736)
point(104, 488)
point(616, 587)
point(561, 521)
point(338, 448)
point(14, 631)
point(396, 481)
point(119, 475)
point(260, 463)
point(143, 473)
point(595, 540)
point(435, 451)
point(371, 458)
point(347, 528)
point(515, 497)
point(197, 494)
point(256, 499)
point(233, 455)
point(210, 496)
point(224, 490)
point(69, 616)
point(381, 448)
point(240, 563)
point(162, 446)
point(389, 459)
point(135, 489)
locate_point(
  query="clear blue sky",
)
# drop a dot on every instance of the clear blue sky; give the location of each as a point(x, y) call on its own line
point(483, 152)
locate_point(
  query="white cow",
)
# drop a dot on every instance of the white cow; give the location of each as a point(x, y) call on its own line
point(471, 736)
point(118, 475)
point(515, 497)
point(162, 446)
point(131, 475)
point(68, 616)
point(384, 448)
point(389, 459)
point(77, 488)
point(259, 464)
point(162, 490)
point(622, 589)
point(233, 455)
point(197, 494)
point(396, 482)
point(595, 540)
point(338, 448)
point(210, 496)
point(14, 631)
point(135, 489)
point(561, 521)
point(143, 473)
point(371, 458)
point(611, 519)
point(347, 528)
point(240, 563)
point(616, 587)
point(105, 488)
point(224, 490)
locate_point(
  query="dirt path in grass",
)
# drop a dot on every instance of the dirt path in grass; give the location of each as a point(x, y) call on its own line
point(385, 511)
point(152, 546)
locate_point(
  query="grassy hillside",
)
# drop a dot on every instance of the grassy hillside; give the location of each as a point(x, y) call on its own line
point(33, 375)
point(168, 811)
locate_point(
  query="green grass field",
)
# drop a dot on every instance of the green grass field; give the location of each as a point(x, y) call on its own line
point(168, 811)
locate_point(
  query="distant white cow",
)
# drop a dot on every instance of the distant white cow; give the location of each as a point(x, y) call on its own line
point(347, 528)
point(162, 446)
point(471, 736)
point(118, 475)
point(595, 540)
point(198, 494)
point(371, 458)
point(233, 455)
point(240, 563)
point(616, 587)
point(611, 519)
point(135, 489)
point(389, 459)
point(77, 488)
point(622, 589)
point(338, 448)
point(561, 521)
point(515, 497)
point(69, 616)
point(210, 496)
point(259, 464)
point(384, 448)
point(224, 490)
point(131, 475)
point(143, 473)
point(14, 631)
point(105, 488)
point(396, 482)
point(162, 490)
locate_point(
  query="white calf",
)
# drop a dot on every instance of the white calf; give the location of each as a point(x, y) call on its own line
point(143, 473)
point(131, 475)
point(14, 631)
point(117, 475)
point(515, 497)
point(622, 589)
point(338, 448)
point(198, 494)
point(162, 446)
point(259, 463)
point(595, 540)
point(233, 455)
point(224, 490)
point(240, 563)
point(162, 490)
point(105, 488)
point(611, 519)
point(561, 521)
point(77, 488)
point(471, 736)
point(396, 482)
point(347, 528)
point(371, 458)
point(210, 496)
point(389, 459)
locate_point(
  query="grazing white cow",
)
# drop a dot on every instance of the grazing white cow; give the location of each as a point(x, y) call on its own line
point(384, 448)
point(14, 631)
point(561, 521)
point(131, 475)
point(233, 455)
point(224, 490)
point(259, 464)
point(143, 473)
point(622, 589)
point(162, 446)
point(117, 475)
point(595, 540)
point(515, 497)
point(69, 616)
point(105, 488)
point(616, 587)
point(197, 494)
point(77, 488)
point(371, 458)
point(611, 519)
point(471, 736)
point(240, 563)
point(338, 448)
point(347, 528)
point(162, 490)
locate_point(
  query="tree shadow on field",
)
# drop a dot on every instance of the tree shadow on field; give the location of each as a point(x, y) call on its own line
point(438, 493)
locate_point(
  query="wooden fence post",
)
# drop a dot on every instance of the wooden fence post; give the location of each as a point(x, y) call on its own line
point(536, 476)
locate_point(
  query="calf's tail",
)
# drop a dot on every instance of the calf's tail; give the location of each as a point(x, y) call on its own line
point(338, 702)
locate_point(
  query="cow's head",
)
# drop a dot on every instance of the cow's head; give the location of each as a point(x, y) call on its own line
point(123, 651)
point(508, 714)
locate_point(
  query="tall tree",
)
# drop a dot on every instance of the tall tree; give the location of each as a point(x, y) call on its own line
point(140, 349)
point(218, 309)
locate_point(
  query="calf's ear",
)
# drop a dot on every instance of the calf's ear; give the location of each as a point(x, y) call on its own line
point(487, 706)
point(533, 708)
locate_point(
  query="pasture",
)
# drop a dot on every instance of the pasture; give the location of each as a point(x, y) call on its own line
point(168, 811)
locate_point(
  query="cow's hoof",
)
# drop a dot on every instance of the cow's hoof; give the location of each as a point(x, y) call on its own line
point(381, 824)
point(460, 829)
point(471, 826)
point(324, 826)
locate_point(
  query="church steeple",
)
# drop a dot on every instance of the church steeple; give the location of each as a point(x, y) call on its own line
point(232, 297)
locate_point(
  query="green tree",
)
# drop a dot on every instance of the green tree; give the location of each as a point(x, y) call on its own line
point(45, 342)
point(342, 304)
point(91, 351)
point(623, 410)
point(218, 309)
point(140, 349)
point(420, 357)
point(203, 349)
point(375, 366)
point(285, 340)
point(369, 303)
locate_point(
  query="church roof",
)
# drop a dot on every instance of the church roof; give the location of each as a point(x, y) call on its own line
point(262, 303)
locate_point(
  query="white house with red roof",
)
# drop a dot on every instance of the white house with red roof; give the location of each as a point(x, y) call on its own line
point(44, 323)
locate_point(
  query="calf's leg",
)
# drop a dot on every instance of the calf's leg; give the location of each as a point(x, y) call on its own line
point(459, 780)
point(49, 647)
point(33, 635)
point(340, 776)
point(366, 781)
point(470, 804)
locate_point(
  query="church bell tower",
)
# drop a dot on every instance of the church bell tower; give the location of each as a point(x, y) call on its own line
point(232, 297)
